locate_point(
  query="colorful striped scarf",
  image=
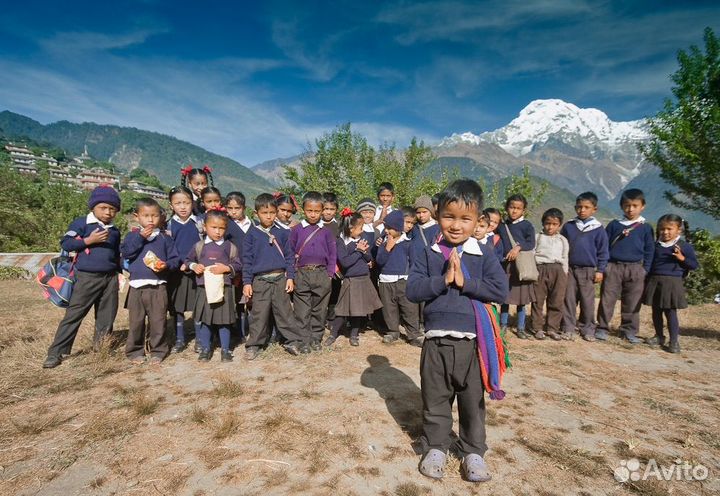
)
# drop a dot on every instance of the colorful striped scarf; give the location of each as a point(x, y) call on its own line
point(491, 349)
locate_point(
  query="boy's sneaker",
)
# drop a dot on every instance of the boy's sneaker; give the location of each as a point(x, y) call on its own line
point(522, 334)
point(633, 339)
point(433, 464)
point(540, 335)
point(226, 356)
point(315, 345)
point(51, 362)
point(330, 341)
point(204, 355)
point(354, 341)
point(601, 335)
point(655, 341)
point(251, 353)
point(390, 338)
point(179, 347)
point(475, 468)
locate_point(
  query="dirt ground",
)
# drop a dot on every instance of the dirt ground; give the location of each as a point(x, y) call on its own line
point(345, 420)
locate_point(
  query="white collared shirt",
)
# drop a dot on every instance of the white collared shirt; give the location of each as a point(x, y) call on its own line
point(322, 223)
point(305, 223)
point(91, 219)
point(627, 222)
point(282, 224)
point(429, 223)
point(347, 240)
point(589, 224)
point(180, 221)
point(668, 244)
point(139, 283)
point(471, 246)
point(519, 219)
point(208, 241)
point(244, 224)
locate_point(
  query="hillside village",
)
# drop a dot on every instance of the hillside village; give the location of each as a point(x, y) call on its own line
point(81, 172)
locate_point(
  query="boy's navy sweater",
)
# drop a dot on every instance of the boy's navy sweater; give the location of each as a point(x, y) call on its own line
point(665, 264)
point(185, 236)
point(212, 253)
point(260, 256)
point(352, 262)
point(637, 246)
point(448, 308)
point(498, 246)
point(395, 262)
point(134, 247)
point(523, 233)
point(587, 249)
point(100, 257)
point(236, 235)
point(417, 245)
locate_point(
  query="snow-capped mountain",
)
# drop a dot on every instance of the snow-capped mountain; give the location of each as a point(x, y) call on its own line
point(579, 149)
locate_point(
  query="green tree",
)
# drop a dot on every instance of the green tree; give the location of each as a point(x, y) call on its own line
point(530, 187)
point(685, 134)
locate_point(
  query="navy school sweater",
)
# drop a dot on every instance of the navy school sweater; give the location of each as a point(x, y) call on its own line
point(637, 246)
point(395, 262)
point(236, 235)
point(184, 235)
point(212, 253)
point(447, 307)
point(587, 249)
point(665, 264)
point(352, 262)
point(523, 232)
point(134, 247)
point(260, 256)
point(99, 258)
point(418, 243)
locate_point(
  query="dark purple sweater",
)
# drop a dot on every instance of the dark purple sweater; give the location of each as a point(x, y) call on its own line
point(134, 247)
point(320, 250)
point(211, 254)
point(260, 256)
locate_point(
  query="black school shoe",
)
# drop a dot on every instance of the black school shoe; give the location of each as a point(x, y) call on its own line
point(315, 345)
point(179, 347)
point(655, 341)
point(293, 349)
point(204, 355)
point(226, 356)
point(674, 348)
point(51, 362)
point(304, 348)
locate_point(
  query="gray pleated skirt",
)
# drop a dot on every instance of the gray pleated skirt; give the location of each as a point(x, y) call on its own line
point(216, 313)
point(665, 292)
point(182, 291)
point(358, 297)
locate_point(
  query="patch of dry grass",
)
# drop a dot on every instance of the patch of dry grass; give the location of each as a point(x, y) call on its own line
point(555, 449)
point(411, 489)
point(214, 456)
point(226, 425)
point(225, 387)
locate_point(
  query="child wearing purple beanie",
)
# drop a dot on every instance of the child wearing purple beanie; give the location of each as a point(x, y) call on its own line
point(97, 243)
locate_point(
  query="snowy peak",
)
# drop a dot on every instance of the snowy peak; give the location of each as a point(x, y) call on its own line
point(543, 120)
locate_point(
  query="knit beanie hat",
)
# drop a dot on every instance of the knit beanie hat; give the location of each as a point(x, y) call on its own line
point(395, 220)
point(424, 201)
point(366, 204)
point(104, 194)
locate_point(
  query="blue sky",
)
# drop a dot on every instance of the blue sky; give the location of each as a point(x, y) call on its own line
point(257, 80)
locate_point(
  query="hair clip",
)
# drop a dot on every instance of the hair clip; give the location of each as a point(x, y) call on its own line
point(186, 171)
point(346, 212)
point(207, 170)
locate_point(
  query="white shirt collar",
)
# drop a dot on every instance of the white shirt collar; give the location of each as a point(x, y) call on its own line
point(322, 222)
point(305, 223)
point(589, 224)
point(470, 246)
point(378, 211)
point(668, 244)
point(244, 224)
point(281, 224)
point(208, 241)
point(348, 240)
point(519, 219)
point(177, 219)
point(91, 219)
point(368, 228)
point(429, 223)
point(403, 237)
point(627, 222)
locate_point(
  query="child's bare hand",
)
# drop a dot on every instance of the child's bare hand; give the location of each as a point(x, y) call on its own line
point(598, 277)
point(362, 245)
point(378, 242)
point(677, 253)
point(450, 274)
point(97, 236)
point(219, 268)
point(289, 286)
point(459, 278)
point(390, 243)
point(183, 268)
point(198, 269)
point(512, 254)
point(145, 232)
point(247, 291)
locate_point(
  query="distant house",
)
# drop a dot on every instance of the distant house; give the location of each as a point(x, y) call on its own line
point(23, 160)
point(84, 157)
point(91, 178)
point(144, 189)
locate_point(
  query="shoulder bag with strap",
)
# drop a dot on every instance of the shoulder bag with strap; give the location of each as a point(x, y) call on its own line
point(525, 262)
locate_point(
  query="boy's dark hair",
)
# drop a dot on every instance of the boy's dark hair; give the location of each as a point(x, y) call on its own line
point(236, 196)
point(312, 197)
point(264, 200)
point(385, 186)
point(146, 202)
point(330, 197)
point(491, 210)
point(209, 191)
point(187, 175)
point(682, 223)
point(587, 196)
point(285, 198)
point(180, 190)
point(632, 194)
point(434, 199)
point(408, 211)
point(464, 191)
point(217, 214)
point(553, 213)
point(516, 197)
point(348, 222)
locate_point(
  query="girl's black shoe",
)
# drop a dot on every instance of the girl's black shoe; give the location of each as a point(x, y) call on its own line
point(226, 356)
point(204, 355)
point(179, 347)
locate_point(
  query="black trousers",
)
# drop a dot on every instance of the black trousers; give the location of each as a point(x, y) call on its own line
point(150, 302)
point(397, 308)
point(98, 290)
point(449, 369)
point(269, 298)
point(310, 299)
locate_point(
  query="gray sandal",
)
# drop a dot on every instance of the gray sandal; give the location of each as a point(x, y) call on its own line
point(433, 464)
point(475, 469)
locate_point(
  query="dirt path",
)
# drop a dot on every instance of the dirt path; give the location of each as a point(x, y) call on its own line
point(344, 421)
